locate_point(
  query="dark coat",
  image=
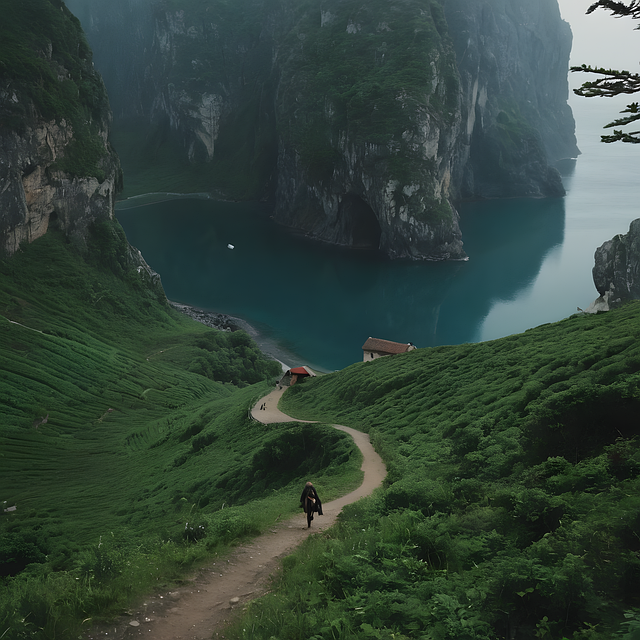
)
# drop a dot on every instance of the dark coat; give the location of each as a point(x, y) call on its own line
point(311, 491)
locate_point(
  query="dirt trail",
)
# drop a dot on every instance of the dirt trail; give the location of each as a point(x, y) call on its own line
point(199, 610)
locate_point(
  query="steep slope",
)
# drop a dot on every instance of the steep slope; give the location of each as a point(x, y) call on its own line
point(128, 452)
point(57, 167)
point(377, 116)
point(511, 502)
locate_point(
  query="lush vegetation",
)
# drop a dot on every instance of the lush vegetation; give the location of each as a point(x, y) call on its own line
point(46, 62)
point(368, 73)
point(126, 446)
point(360, 70)
point(512, 502)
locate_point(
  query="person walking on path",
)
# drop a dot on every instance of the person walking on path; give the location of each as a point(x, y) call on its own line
point(247, 574)
point(310, 502)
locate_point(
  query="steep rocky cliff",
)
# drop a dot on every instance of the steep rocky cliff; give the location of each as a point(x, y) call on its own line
point(192, 88)
point(57, 167)
point(56, 164)
point(512, 58)
point(367, 121)
point(368, 109)
point(616, 272)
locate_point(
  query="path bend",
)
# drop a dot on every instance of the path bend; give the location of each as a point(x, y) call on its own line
point(200, 609)
point(372, 464)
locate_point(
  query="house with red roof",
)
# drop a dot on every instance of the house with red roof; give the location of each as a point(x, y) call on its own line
point(376, 347)
point(291, 376)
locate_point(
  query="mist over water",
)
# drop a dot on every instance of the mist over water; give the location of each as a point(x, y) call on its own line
point(530, 263)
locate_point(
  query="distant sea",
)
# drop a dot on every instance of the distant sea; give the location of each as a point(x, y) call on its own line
point(530, 263)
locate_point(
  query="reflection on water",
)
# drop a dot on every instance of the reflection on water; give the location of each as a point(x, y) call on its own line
point(507, 242)
point(320, 303)
point(530, 263)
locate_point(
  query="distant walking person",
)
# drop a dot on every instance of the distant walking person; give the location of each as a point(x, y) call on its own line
point(310, 502)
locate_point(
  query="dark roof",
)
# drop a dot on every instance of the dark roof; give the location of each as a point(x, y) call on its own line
point(385, 346)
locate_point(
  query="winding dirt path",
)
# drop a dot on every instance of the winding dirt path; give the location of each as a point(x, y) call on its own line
point(200, 609)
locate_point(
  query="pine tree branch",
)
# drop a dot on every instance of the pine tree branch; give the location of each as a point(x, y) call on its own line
point(618, 9)
point(621, 122)
point(623, 136)
point(612, 83)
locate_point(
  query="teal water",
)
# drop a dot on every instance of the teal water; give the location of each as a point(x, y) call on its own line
point(529, 263)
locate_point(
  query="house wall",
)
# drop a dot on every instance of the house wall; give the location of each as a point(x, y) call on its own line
point(367, 356)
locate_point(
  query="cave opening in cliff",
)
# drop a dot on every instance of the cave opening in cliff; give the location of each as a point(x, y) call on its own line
point(360, 219)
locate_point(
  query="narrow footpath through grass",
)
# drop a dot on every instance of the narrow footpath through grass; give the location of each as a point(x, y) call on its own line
point(207, 601)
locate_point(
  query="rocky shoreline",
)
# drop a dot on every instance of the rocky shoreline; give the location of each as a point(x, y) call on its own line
point(224, 322)
point(220, 321)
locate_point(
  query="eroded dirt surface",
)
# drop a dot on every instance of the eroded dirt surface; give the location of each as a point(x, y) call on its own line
point(200, 609)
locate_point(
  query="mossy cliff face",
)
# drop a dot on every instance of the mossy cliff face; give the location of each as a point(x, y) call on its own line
point(368, 107)
point(364, 120)
point(210, 67)
point(56, 164)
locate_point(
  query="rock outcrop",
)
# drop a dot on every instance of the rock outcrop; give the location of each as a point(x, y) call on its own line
point(512, 60)
point(56, 164)
point(616, 273)
point(378, 116)
point(36, 194)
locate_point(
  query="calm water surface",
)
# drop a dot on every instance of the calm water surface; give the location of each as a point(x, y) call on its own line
point(530, 263)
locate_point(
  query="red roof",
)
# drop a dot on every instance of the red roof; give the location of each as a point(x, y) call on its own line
point(302, 371)
point(385, 346)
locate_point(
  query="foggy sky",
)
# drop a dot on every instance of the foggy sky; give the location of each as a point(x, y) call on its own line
point(601, 40)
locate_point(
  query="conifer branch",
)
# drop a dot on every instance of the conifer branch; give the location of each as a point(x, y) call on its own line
point(613, 82)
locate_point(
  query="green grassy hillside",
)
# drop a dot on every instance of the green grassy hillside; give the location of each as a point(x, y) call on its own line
point(512, 503)
point(511, 507)
point(120, 422)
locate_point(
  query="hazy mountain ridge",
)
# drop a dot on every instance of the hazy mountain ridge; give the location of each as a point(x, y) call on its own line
point(378, 116)
point(512, 60)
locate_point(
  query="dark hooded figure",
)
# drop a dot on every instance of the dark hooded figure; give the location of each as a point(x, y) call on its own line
point(310, 502)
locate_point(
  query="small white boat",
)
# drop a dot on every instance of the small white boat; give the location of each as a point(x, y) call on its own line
point(230, 246)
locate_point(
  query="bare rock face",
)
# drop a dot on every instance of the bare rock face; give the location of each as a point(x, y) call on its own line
point(364, 121)
point(56, 164)
point(364, 204)
point(616, 273)
point(36, 194)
